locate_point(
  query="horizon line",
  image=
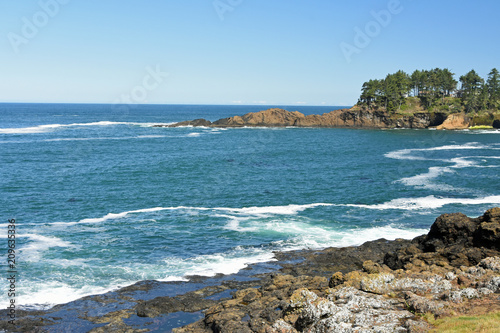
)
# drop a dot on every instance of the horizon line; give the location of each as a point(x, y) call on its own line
point(160, 104)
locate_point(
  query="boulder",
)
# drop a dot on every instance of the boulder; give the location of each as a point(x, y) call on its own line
point(488, 232)
point(454, 239)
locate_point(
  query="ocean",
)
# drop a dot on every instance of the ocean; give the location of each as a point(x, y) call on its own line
point(102, 199)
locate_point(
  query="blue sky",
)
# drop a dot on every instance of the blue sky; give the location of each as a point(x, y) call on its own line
point(282, 52)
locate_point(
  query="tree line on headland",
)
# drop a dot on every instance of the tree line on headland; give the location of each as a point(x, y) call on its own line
point(436, 89)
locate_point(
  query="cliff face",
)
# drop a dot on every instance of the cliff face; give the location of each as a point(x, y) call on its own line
point(370, 119)
point(455, 121)
point(337, 118)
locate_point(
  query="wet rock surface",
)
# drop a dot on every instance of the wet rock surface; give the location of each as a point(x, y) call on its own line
point(380, 286)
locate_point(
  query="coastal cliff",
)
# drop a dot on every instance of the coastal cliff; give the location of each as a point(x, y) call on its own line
point(380, 286)
point(344, 118)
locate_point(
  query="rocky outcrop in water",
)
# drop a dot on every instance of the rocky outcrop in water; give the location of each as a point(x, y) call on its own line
point(344, 118)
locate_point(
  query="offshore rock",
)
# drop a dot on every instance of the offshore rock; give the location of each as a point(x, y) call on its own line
point(194, 123)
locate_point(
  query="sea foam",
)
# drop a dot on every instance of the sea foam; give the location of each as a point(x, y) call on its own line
point(51, 127)
point(406, 154)
point(256, 211)
point(429, 202)
point(32, 251)
point(425, 180)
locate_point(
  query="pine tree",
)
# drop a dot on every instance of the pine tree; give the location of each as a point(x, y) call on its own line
point(493, 86)
point(472, 85)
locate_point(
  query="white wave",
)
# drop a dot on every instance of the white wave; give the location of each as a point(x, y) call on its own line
point(279, 210)
point(234, 223)
point(151, 124)
point(357, 237)
point(107, 138)
point(44, 295)
point(469, 145)
point(463, 162)
point(424, 180)
point(246, 214)
point(219, 263)
point(193, 134)
point(405, 154)
point(255, 211)
point(63, 224)
point(429, 202)
point(487, 157)
point(39, 243)
point(173, 278)
point(151, 136)
point(485, 131)
point(51, 127)
point(321, 238)
point(301, 234)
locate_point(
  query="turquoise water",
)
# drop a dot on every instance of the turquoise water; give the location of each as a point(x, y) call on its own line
point(102, 199)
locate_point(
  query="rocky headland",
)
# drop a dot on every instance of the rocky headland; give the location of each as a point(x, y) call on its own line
point(343, 118)
point(380, 286)
point(355, 117)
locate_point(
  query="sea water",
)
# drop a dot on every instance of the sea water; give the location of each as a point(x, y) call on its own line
point(103, 199)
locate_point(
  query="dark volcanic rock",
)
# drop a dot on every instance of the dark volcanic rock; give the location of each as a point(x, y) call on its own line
point(488, 233)
point(344, 259)
point(450, 229)
point(454, 239)
point(189, 302)
point(496, 123)
point(195, 123)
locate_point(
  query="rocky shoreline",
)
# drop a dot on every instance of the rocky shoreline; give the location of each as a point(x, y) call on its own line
point(344, 118)
point(380, 286)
